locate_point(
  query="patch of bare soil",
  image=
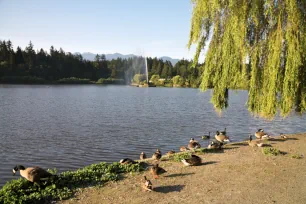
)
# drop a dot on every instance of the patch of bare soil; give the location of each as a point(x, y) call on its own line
point(239, 174)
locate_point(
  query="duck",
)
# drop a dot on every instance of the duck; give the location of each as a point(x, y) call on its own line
point(142, 156)
point(33, 174)
point(193, 144)
point(156, 171)
point(171, 152)
point(193, 161)
point(215, 145)
point(147, 185)
point(183, 149)
point(260, 134)
point(157, 155)
point(255, 143)
point(222, 137)
point(127, 161)
point(205, 137)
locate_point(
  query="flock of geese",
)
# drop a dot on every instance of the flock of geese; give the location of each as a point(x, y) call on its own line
point(37, 174)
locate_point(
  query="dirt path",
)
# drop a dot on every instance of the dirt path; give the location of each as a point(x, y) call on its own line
point(239, 174)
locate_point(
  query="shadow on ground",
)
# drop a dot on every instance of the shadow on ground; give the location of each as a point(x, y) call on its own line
point(240, 144)
point(176, 175)
point(169, 189)
point(227, 148)
point(207, 163)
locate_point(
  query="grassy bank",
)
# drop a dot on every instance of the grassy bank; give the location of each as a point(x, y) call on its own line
point(65, 185)
point(236, 174)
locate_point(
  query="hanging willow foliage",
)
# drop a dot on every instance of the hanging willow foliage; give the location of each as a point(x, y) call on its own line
point(255, 44)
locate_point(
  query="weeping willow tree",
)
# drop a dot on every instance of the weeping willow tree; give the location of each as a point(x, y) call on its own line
point(258, 44)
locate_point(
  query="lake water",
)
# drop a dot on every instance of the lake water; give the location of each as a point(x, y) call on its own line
point(68, 127)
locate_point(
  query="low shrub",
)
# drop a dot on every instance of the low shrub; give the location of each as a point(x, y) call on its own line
point(64, 185)
point(179, 156)
point(73, 80)
point(110, 81)
point(271, 151)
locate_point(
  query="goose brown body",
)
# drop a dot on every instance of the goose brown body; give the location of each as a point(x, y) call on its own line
point(171, 152)
point(193, 144)
point(221, 137)
point(255, 143)
point(260, 134)
point(156, 171)
point(193, 161)
point(157, 155)
point(33, 174)
point(215, 145)
point(127, 161)
point(147, 185)
point(142, 156)
point(183, 149)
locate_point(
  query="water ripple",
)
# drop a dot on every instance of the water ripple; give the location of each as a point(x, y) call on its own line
point(68, 127)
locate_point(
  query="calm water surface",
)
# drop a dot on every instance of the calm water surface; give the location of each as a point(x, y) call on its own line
point(68, 127)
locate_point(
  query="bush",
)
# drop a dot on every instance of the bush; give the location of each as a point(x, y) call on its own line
point(73, 80)
point(155, 79)
point(271, 151)
point(178, 80)
point(139, 78)
point(63, 186)
point(179, 156)
point(110, 81)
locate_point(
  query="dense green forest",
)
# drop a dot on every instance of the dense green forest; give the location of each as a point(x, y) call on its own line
point(58, 66)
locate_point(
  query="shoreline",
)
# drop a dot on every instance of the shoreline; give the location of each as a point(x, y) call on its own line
point(125, 174)
point(238, 174)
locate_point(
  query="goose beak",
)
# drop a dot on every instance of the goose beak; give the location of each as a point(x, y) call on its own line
point(14, 172)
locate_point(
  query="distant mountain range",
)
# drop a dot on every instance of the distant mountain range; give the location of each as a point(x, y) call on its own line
point(91, 56)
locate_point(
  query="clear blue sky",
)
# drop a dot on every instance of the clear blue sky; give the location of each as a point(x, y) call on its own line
point(143, 27)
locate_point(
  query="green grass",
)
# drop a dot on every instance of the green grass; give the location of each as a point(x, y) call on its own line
point(297, 156)
point(179, 156)
point(271, 151)
point(63, 186)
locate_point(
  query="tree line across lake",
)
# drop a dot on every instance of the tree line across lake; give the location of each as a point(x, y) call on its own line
point(57, 66)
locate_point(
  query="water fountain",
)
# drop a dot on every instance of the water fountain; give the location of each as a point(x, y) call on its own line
point(148, 84)
point(147, 73)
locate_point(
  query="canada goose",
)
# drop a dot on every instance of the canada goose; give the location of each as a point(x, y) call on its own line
point(205, 137)
point(171, 152)
point(193, 144)
point(223, 132)
point(157, 155)
point(142, 156)
point(260, 134)
point(283, 137)
point(221, 137)
point(156, 170)
point(215, 145)
point(183, 149)
point(147, 185)
point(127, 161)
point(32, 174)
point(193, 161)
point(255, 143)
